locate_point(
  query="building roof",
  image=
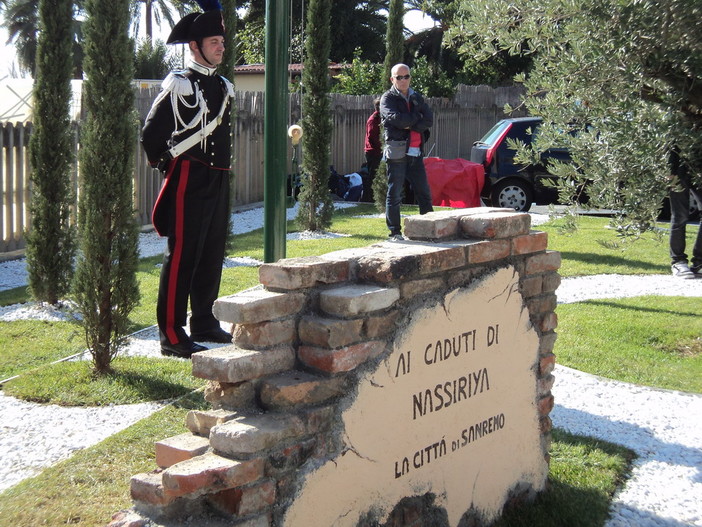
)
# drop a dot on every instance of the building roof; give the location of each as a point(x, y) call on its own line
point(250, 69)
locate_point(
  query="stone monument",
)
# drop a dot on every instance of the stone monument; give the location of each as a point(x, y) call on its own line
point(404, 384)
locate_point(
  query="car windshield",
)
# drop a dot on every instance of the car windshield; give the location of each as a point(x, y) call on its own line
point(494, 134)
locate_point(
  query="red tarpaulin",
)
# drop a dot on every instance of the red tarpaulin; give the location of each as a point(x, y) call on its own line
point(454, 182)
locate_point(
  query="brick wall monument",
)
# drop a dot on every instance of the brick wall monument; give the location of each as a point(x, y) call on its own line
point(402, 384)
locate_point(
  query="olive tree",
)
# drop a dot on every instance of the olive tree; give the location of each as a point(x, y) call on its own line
point(617, 82)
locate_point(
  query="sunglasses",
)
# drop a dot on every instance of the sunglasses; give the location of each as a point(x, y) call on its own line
point(402, 77)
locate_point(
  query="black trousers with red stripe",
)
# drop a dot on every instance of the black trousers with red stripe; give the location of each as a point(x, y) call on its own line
point(193, 208)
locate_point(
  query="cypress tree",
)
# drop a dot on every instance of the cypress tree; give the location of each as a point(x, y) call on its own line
point(105, 284)
point(315, 203)
point(226, 68)
point(380, 182)
point(394, 38)
point(50, 242)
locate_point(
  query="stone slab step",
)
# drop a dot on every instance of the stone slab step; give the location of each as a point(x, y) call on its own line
point(233, 364)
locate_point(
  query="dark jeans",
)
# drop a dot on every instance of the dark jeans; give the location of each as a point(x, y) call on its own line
point(410, 169)
point(679, 216)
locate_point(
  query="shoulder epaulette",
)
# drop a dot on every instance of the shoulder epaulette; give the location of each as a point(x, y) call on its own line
point(229, 85)
point(177, 83)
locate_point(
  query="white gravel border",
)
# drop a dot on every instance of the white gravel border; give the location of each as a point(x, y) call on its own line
point(663, 427)
point(36, 436)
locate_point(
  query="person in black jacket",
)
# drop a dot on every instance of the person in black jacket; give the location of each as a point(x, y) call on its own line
point(679, 196)
point(187, 134)
point(407, 119)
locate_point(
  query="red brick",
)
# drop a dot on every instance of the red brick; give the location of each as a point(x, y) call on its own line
point(263, 335)
point(535, 241)
point(495, 225)
point(305, 272)
point(551, 282)
point(463, 277)
point(148, 488)
point(179, 448)
point(545, 405)
point(546, 364)
point(254, 433)
point(289, 458)
point(340, 359)
point(209, 473)
point(386, 270)
point(531, 286)
point(317, 419)
point(542, 304)
point(488, 251)
point(380, 325)
point(357, 299)
point(432, 226)
point(200, 422)
point(422, 286)
point(405, 261)
point(329, 332)
point(442, 258)
point(545, 384)
point(257, 305)
point(545, 424)
point(298, 388)
point(242, 501)
point(233, 365)
point(543, 262)
point(546, 343)
point(548, 322)
point(229, 396)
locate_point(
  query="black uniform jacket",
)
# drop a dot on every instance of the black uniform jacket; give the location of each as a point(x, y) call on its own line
point(161, 131)
point(189, 100)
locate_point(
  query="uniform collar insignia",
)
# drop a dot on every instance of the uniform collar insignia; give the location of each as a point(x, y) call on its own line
point(201, 69)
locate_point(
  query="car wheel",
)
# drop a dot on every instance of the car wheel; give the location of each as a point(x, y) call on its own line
point(512, 194)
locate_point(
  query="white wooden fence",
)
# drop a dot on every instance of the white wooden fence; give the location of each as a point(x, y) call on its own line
point(457, 124)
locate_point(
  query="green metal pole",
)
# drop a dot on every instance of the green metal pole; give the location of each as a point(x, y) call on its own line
point(275, 129)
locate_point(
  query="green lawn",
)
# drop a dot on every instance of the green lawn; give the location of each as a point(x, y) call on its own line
point(647, 340)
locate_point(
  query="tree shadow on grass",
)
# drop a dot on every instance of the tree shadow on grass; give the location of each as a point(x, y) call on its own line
point(564, 503)
point(150, 387)
point(620, 306)
point(606, 260)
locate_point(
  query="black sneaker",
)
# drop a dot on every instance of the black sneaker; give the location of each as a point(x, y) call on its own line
point(697, 270)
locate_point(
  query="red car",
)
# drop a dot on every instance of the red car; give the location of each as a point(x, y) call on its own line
point(507, 183)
